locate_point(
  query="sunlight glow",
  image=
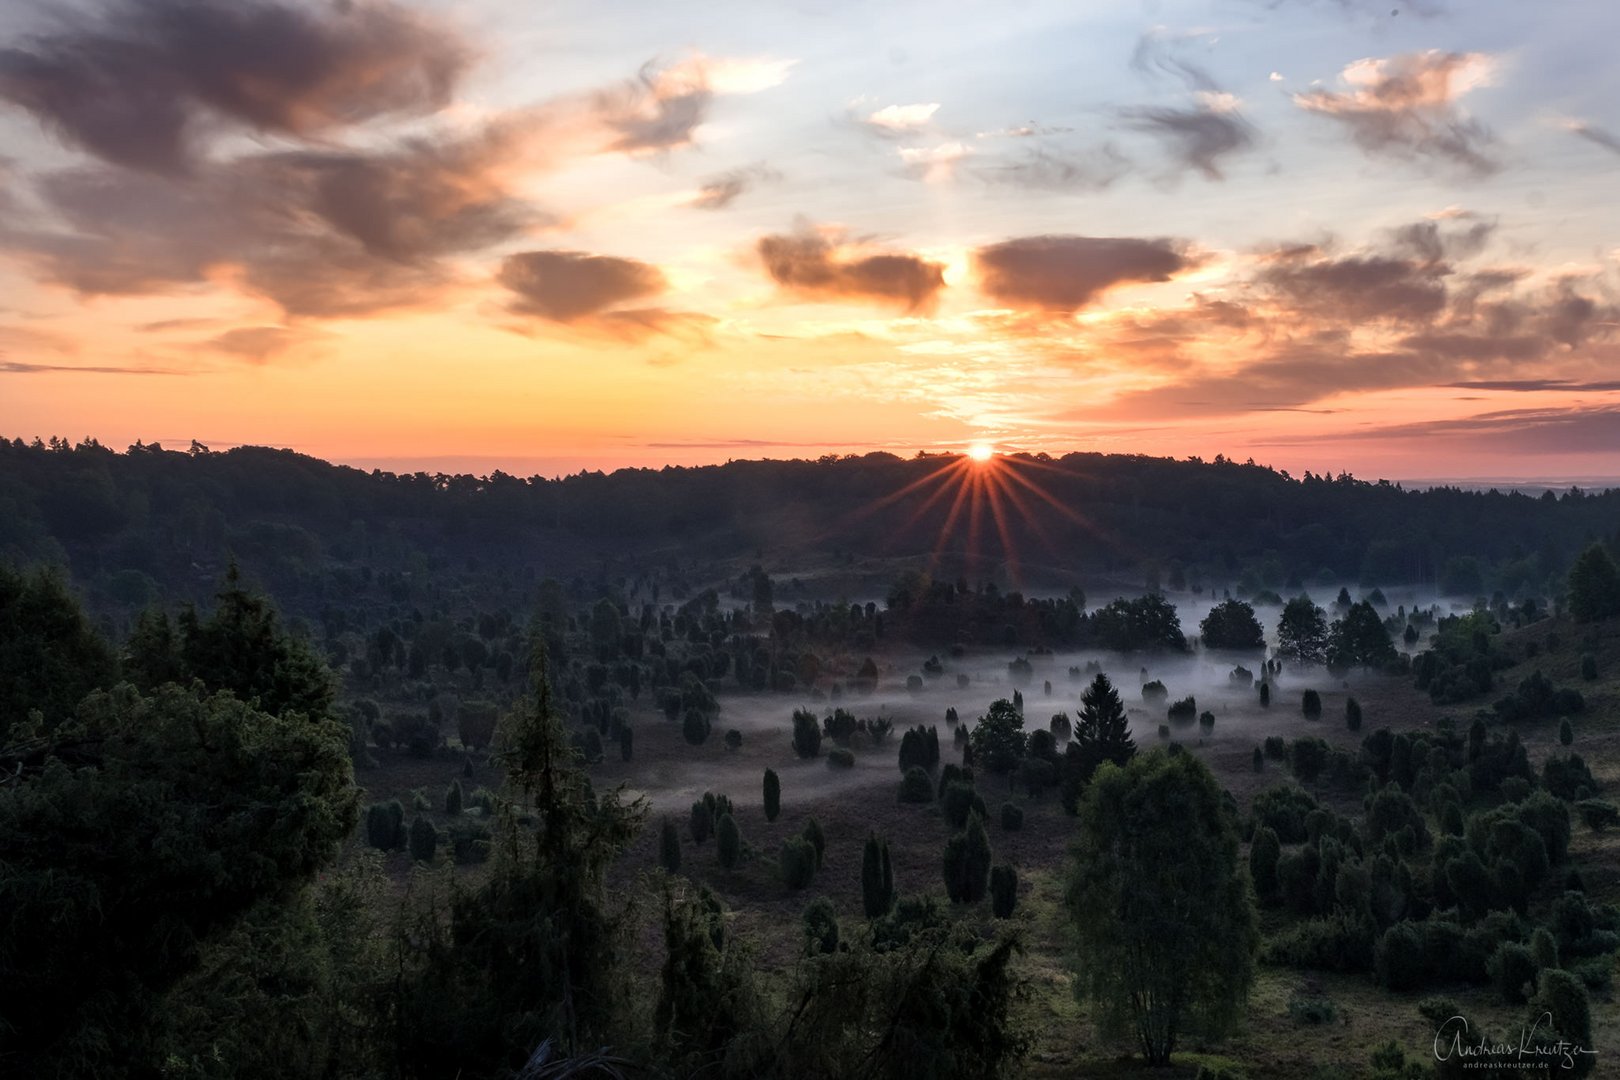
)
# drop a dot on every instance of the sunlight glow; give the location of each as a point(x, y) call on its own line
point(981, 452)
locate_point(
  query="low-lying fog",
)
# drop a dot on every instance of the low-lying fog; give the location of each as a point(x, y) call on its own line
point(675, 774)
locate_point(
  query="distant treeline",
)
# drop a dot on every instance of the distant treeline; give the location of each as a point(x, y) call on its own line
point(152, 522)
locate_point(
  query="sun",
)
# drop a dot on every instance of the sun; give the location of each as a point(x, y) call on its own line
point(981, 452)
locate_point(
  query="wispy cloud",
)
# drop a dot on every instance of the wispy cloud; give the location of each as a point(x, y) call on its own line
point(1406, 107)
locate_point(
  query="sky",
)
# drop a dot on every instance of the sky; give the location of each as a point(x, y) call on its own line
point(1328, 235)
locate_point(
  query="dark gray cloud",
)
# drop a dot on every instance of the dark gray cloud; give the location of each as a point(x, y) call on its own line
point(1363, 287)
point(1426, 240)
point(144, 83)
point(564, 286)
point(589, 293)
point(815, 264)
point(1309, 323)
point(332, 233)
point(1405, 107)
point(1063, 273)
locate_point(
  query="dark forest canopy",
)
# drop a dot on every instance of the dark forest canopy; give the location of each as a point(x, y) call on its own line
point(150, 521)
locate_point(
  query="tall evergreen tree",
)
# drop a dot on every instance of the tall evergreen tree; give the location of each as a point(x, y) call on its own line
point(773, 795)
point(877, 877)
point(1102, 732)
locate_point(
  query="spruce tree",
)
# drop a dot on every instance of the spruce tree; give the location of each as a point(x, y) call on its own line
point(1102, 731)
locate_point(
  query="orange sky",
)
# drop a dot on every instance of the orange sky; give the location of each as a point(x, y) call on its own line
point(469, 235)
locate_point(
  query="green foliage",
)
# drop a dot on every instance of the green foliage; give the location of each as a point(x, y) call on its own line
point(916, 786)
point(967, 863)
point(706, 998)
point(385, 825)
point(938, 1005)
point(241, 647)
point(50, 655)
point(919, 748)
point(728, 840)
point(1231, 625)
point(285, 991)
point(773, 795)
point(1513, 970)
point(1310, 1011)
point(1598, 815)
point(453, 799)
point(1352, 714)
point(424, 840)
point(1340, 941)
point(798, 862)
point(1283, 808)
point(1149, 622)
point(1561, 994)
point(1164, 923)
point(1398, 957)
point(1360, 639)
point(1594, 586)
point(1566, 732)
point(1302, 631)
point(1101, 733)
point(806, 733)
point(1264, 854)
point(532, 953)
point(134, 833)
point(1311, 704)
point(998, 737)
point(816, 838)
point(820, 927)
point(1003, 891)
point(701, 821)
point(695, 727)
point(476, 722)
point(841, 758)
point(961, 801)
point(877, 877)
